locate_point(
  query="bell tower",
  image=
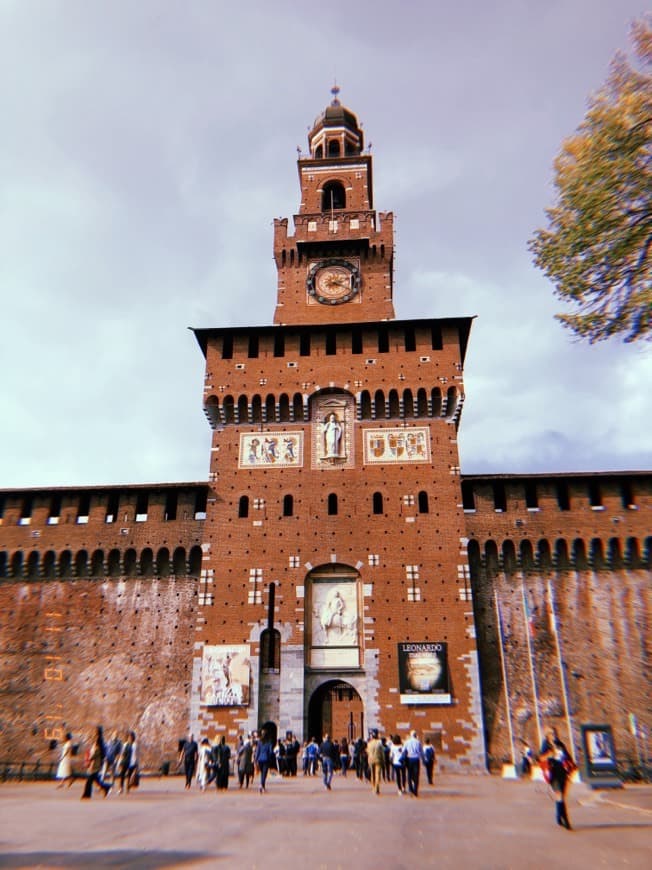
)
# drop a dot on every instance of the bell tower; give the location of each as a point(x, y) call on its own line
point(338, 265)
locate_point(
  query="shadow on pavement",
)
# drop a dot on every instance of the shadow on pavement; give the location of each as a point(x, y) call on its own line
point(138, 859)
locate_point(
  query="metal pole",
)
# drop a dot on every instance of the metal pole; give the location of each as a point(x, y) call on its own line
point(504, 671)
point(562, 673)
point(529, 655)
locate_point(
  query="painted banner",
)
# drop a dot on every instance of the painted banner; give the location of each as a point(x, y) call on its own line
point(225, 672)
point(271, 449)
point(396, 445)
point(423, 673)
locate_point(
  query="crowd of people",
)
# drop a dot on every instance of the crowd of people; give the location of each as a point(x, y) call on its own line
point(109, 763)
point(380, 759)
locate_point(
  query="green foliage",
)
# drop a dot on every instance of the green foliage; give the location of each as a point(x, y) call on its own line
point(597, 248)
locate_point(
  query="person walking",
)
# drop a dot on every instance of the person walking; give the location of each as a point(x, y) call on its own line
point(222, 754)
point(96, 756)
point(188, 757)
point(204, 763)
point(429, 760)
point(344, 755)
point(64, 768)
point(264, 758)
point(376, 759)
point(327, 755)
point(413, 753)
point(398, 764)
point(244, 760)
point(557, 764)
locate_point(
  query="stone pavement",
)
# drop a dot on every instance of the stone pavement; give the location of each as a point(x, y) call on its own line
point(462, 822)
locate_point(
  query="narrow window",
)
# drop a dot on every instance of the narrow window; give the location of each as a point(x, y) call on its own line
point(423, 502)
point(55, 510)
point(383, 340)
point(332, 504)
point(279, 344)
point(436, 339)
point(252, 352)
point(142, 504)
point(200, 505)
point(171, 500)
point(627, 495)
point(500, 503)
point(243, 507)
point(227, 347)
point(288, 506)
point(410, 340)
point(356, 341)
point(112, 507)
point(84, 508)
point(563, 496)
point(331, 342)
point(26, 511)
point(531, 496)
point(304, 344)
point(468, 496)
point(377, 501)
point(595, 495)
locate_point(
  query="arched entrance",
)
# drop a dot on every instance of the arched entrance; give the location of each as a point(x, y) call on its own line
point(335, 708)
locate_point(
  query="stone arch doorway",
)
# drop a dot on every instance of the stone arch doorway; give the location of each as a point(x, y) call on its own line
point(335, 708)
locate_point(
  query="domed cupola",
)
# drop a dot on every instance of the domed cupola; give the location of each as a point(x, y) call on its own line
point(336, 132)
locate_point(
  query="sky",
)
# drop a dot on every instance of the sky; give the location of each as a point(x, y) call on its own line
point(146, 148)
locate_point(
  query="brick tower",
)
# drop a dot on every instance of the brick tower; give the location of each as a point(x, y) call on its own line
point(335, 594)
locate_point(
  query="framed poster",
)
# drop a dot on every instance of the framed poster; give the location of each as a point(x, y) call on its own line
point(225, 672)
point(600, 756)
point(423, 673)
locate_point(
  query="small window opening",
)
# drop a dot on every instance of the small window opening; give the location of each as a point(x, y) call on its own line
point(332, 504)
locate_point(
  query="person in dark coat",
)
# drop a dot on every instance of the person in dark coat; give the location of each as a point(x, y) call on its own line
point(188, 756)
point(264, 758)
point(245, 761)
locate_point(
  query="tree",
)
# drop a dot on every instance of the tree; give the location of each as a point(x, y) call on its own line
point(597, 248)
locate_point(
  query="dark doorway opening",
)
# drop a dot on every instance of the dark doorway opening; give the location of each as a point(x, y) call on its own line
point(336, 709)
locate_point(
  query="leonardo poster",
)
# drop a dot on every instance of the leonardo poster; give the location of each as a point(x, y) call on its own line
point(423, 673)
point(225, 676)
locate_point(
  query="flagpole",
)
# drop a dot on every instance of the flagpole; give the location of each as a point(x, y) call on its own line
point(529, 656)
point(562, 674)
point(504, 670)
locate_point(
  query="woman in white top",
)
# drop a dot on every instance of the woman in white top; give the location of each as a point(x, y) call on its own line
point(398, 764)
point(204, 763)
point(64, 769)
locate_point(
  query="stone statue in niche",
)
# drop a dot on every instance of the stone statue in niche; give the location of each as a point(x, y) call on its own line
point(333, 431)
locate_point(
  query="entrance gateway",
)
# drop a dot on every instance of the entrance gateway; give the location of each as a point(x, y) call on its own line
point(335, 708)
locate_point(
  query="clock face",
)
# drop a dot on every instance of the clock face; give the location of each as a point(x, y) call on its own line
point(333, 281)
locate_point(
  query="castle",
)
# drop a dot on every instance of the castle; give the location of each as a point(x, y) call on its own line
point(337, 571)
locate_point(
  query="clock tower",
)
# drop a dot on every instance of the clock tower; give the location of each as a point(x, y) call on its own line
point(334, 595)
point(338, 265)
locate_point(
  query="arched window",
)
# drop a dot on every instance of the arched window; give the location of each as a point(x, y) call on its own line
point(365, 405)
point(436, 402)
point(319, 152)
point(179, 562)
point(270, 651)
point(65, 564)
point(333, 195)
point(394, 410)
point(544, 557)
point(491, 557)
point(4, 565)
point(114, 563)
point(509, 557)
point(147, 562)
point(562, 562)
point(377, 502)
point(270, 408)
point(81, 564)
point(474, 559)
point(228, 411)
point(97, 563)
point(408, 403)
point(163, 562)
point(195, 561)
point(49, 565)
point(17, 564)
point(131, 563)
point(615, 556)
point(256, 410)
point(243, 410)
point(579, 555)
point(527, 556)
point(632, 554)
point(597, 555)
point(284, 408)
point(334, 148)
point(423, 502)
point(243, 507)
point(288, 506)
point(379, 402)
point(332, 504)
point(33, 562)
point(297, 406)
point(451, 402)
point(422, 403)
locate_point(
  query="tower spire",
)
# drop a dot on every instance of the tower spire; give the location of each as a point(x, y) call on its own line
point(335, 91)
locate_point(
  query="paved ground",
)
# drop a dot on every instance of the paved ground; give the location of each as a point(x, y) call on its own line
point(461, 822)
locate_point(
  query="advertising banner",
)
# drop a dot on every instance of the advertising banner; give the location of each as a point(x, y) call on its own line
point(225, 676)
point(423, 673)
